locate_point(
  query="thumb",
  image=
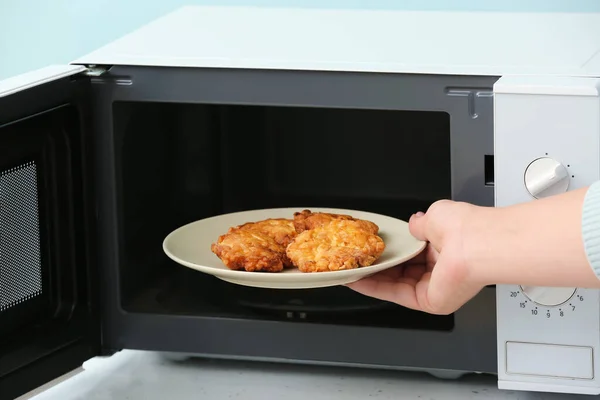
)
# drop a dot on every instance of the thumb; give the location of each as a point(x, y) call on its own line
point(417, 224)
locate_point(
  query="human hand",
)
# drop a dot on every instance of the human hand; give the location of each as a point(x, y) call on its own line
point(439, 280)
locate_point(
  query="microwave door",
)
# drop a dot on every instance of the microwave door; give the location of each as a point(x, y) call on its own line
point(49, 320)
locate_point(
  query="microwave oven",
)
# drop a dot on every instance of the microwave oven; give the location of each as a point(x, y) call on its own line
point(211, 110)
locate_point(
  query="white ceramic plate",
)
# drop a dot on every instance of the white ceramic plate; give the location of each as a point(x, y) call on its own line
point(189, 245)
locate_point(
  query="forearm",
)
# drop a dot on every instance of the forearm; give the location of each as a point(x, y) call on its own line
point(536, 243)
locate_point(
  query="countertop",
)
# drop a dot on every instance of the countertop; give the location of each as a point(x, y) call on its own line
point(132, 375)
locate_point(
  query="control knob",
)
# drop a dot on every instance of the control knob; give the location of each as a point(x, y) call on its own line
point(548, 296)
point(546, 177)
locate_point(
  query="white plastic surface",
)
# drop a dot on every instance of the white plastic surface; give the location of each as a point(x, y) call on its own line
point(509, 386)
point(563, 125)
point(38, 77)
point(546, 177)
point(424, 42)
point(559, 85)
point(576, 362)
point(548, 296)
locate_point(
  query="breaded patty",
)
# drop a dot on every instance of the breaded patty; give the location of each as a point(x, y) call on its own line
point(306, 219)
point(280, 229)
point(251, 250)
point(338, 245)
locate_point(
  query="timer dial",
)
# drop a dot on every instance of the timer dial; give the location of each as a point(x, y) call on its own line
point(546, 177)
point(548, 296)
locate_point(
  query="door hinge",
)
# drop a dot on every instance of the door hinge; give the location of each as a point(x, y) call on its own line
point(94, 70)
point(96, 73)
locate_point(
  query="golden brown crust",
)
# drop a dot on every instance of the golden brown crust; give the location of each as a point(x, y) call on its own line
point(306, 219)
point(280, 229)
point(312, 242)
point(251, 250)
point(338, 245)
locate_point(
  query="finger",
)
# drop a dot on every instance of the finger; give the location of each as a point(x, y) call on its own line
point(400, 291)
point(449, 287)
point(422, 290)
point(415, 271)
point(390, 273)
point(426, 295)
point(431, 257)
point(417, 225)
point(420, 258)
point(427, 257)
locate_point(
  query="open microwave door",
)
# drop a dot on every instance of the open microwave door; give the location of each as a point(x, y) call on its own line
point(49, 322)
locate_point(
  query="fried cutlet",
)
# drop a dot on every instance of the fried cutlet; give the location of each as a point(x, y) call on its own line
point(338, 245)
point(306, 220)
point(280, 229)
point(251, 251)
point(256, 246)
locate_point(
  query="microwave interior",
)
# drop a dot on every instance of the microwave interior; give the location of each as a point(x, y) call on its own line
point(178, 163)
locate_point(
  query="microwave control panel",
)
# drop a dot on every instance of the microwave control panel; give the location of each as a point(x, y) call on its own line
point(546, 142)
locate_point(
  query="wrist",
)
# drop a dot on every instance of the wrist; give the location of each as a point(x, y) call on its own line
point(533, 243)
point(479, 233)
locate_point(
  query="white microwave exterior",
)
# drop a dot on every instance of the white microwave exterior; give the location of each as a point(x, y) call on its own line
point(388, 41)
point(548, 338)
point(547, 63)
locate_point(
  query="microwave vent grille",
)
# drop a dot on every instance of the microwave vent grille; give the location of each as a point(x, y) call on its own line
point(20, 250)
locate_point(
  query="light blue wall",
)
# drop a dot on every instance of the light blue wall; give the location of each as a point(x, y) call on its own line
point(35, 33)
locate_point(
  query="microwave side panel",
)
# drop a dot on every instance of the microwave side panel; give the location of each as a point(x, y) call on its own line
point(49, 323)
point(547, 141)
